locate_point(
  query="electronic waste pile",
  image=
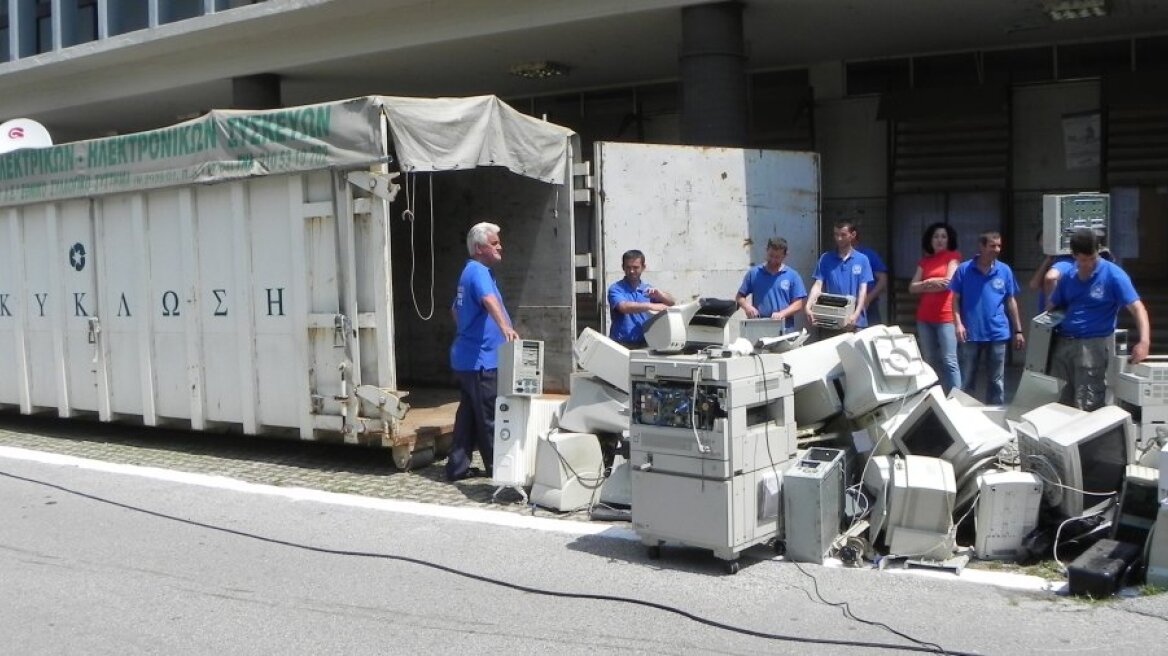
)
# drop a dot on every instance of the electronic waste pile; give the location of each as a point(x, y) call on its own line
point(726, 433)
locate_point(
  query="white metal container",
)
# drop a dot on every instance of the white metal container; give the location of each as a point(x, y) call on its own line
point(263, 300)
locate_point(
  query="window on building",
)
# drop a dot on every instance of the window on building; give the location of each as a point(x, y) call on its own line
point(1152, 54)
point(4, 54)
point(1018, 65)
point(128, 15)
point(177, 10)
point(1093, 59)
point(78, 23)
point(780, 110)
point(945, 70)
point(879, 76)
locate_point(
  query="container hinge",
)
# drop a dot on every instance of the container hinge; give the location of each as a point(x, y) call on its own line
point(381, 185)
point(583, 183)
point(342, 327)
point(94, 329)
point(385, 404)
point(94, 325)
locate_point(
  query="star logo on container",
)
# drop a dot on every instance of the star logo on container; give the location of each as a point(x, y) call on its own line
point(16, 133)
point(77, 257)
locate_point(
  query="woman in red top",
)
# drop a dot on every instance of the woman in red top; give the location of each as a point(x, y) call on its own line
point(935, 332)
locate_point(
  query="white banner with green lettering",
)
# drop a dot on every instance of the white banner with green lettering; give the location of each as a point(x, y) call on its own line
point(430, 135)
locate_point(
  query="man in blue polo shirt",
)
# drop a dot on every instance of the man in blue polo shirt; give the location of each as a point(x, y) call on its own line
point(775, 290)
point(1091, 296)
point(880, 274)
point(482, 325)
point(631, 300)
point(842, 271)
point(985, 314)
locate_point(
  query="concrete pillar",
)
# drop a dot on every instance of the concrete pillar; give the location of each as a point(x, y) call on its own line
point(261, 91)
point(714, 109)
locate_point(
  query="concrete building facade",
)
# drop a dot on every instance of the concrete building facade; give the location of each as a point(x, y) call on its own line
point(922, 110)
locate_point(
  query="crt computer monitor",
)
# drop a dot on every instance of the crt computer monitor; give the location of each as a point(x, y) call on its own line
point(1081, 460)
point(943, 428)
point(881, 365)
point(920, 503)
point(815, 362)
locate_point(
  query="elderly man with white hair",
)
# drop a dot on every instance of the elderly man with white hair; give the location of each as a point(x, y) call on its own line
point(482, 325)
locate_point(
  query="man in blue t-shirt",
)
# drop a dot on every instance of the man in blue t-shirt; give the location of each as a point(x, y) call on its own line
point(775, 290)
point(985, 314)
point(880, 274)
point(1047, 275)
point(482, 325)
point(842, 271)
point(631, 300)
point(1091, 297)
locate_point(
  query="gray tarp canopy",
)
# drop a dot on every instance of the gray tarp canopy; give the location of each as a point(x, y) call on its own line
point(429, 134)
point(442, 134)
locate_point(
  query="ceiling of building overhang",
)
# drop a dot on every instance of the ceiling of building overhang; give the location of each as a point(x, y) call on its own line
point(325, 50)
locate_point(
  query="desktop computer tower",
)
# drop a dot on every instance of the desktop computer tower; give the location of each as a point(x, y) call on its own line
point(1038, 343)
point(1158, 549)
point(813, 500)
point(1139, 503)
point(1007, 510)
point(519, 421)
point(521, 368)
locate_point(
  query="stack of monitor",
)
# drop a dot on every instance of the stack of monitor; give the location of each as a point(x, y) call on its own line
point(599, 397)
point(598, 404)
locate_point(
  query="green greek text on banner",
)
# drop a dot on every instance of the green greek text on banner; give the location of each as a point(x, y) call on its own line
point(221, 145)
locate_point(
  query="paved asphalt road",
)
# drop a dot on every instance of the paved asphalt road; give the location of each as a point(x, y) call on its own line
point(127, 571)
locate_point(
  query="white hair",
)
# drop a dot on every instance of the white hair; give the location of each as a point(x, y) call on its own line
point(479, 234)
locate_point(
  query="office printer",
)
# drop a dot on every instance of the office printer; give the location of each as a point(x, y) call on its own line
point(694, 325)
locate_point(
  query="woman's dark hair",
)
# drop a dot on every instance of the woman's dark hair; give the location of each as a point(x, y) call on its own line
point(927, 238)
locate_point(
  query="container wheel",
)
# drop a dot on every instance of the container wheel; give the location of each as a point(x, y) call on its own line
point(780, 547)
point(406, 459)
point(731, 567)
point(654, 552)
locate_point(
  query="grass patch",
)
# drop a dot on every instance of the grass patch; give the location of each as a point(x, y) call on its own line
point(1044, 569)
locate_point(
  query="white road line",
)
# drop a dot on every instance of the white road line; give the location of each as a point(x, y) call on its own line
point(478, 515)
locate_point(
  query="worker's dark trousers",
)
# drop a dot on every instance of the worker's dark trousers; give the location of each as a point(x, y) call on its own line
point(474, 423)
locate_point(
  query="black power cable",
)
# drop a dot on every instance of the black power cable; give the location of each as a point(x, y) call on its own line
point(919, 647)
point(847, 611)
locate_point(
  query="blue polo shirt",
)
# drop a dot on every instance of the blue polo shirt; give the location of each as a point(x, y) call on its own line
point(1091, 305)
point(1063, 264)
point(983, 300)
point(627, 328)
point(878, 266)
point(844, 275)
point(770, 293)
point(476, 344)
